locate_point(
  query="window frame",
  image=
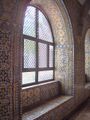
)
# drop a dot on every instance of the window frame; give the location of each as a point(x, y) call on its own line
point(37, 41)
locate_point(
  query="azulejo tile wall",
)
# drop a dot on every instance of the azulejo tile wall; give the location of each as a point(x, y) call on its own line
point(9, 94)
point(10, 53)
point(37, 95)
point(5, 73)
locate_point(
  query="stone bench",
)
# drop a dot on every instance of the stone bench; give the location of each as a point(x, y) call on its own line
point(52, 110)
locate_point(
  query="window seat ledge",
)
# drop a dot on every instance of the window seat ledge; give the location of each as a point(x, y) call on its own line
point(40, 84)
point(87, 85)
point(45, 108)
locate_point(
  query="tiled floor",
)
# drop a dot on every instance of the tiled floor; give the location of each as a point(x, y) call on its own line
point(83, 113)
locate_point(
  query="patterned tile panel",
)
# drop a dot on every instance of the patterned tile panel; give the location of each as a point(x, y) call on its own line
point(40, 94)
point(8, 104)
point(5, 73)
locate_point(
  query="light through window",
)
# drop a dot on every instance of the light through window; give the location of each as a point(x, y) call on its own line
point(38, 48)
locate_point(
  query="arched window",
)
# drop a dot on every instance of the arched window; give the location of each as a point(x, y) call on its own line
point(38, 48)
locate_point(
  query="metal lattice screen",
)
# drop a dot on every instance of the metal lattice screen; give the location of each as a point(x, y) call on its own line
point(29, 54)
point(29, 27)
point(44, 28)
point(42, 55)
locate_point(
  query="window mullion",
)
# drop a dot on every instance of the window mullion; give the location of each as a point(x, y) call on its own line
point(23, 53)
point(48, 55)
point(37, 61)
point(54, 61)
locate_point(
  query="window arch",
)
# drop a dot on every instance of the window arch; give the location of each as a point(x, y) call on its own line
point(38, 48)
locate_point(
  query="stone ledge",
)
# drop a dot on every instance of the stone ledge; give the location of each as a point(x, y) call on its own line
point(40, 84)
point(47, 107)
point(87, 85)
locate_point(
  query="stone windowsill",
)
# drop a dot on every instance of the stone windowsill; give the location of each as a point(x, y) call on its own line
point(41, 84)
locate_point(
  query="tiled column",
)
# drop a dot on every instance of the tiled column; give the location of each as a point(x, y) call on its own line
point(9, 61)
point(79, 71)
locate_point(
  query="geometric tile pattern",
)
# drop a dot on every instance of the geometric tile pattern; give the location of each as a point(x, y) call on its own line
point(34, 96)
point(5, 82)
point(8, 13)
point(8, 104)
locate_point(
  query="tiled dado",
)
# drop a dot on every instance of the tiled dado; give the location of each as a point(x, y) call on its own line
point(38, 94)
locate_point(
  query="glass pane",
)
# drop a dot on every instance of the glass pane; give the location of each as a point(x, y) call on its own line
point(50, 56)
point(44, 28)
point(29, 54)
point(28, 77)
point(42, 55)
point(29, 22)
point(45, 75)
